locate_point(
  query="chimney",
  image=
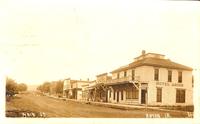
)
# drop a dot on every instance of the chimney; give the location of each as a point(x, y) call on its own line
point(143, 52)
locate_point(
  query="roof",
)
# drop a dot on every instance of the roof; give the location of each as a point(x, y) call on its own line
point(102, 74)
point(120, 68)
point(149, 54)
point(156, 62)
point(75, 81)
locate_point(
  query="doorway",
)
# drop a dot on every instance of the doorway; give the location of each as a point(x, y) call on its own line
point(143, 96)
point(117, 96)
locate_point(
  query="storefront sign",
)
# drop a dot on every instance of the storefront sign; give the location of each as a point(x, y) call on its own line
point(177, 84)
point(162, 83)
point(169, 84)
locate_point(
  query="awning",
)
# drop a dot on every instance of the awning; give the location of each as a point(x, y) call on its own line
point(118, 83)
point(76, 89)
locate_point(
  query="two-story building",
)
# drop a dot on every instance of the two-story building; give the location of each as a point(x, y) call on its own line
point(151, 79)
point(101, 90)
point(88, 91)
point(73, 88)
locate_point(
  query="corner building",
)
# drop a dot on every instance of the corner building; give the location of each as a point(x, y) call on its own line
point(151, 79)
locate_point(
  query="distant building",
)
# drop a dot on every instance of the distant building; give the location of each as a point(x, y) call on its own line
point(100, 87)
point(88, 91)
point(73, 88)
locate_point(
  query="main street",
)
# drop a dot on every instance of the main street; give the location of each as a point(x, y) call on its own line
point(52, 107)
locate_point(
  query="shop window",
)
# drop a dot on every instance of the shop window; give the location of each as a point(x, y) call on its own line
point(122, 95)
point(180, 96)
point(132, 93)
point(125, 73)
point(117, 75)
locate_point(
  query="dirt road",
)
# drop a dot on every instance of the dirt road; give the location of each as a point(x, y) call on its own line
point(60, 108)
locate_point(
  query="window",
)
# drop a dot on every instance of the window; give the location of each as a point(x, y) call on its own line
point(180, 96)
point(159, 95)
point(156, 74)
point(169, 76)
point(133, 74)
point(117, 75)
point(179, 77)
point(132, 93)
point(192, 81)
point(114, 95)
point(122, 97)
point(124, 73)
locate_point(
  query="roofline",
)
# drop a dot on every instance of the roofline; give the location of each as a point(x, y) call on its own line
point(122, 67)
point(119, 69)
point(101, 74)
point(145, 64)
point(149, 53)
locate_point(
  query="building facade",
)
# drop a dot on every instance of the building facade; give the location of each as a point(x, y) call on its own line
point(151, 79)
point(72, 89)
point(89, 91)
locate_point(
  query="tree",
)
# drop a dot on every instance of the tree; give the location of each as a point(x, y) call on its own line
point(53, 87)
point(40, 88)
point(59, 86)
point(22, 87)
point(11, 87)
point(45, 87)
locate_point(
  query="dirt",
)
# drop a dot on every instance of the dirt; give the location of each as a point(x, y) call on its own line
point(43, 106)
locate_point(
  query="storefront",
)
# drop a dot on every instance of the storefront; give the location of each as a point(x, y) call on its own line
point(123, 92)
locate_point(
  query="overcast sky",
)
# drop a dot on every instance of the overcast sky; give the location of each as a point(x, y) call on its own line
point(41, 41)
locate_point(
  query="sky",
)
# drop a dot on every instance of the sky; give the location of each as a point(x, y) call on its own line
point(45, 41)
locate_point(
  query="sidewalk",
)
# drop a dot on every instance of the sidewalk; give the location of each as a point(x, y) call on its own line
point(119, 106)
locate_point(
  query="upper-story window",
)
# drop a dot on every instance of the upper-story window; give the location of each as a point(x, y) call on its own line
point(179, 76)
point(192, 81)
point(169, 76)
point(156, 74)
point(133, 74)
point(125, 73)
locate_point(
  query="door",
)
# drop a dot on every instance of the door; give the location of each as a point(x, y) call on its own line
point(143, 96)
point(117, 96)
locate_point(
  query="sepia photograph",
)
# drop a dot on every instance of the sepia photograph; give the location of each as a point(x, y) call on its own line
point(98, 60)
